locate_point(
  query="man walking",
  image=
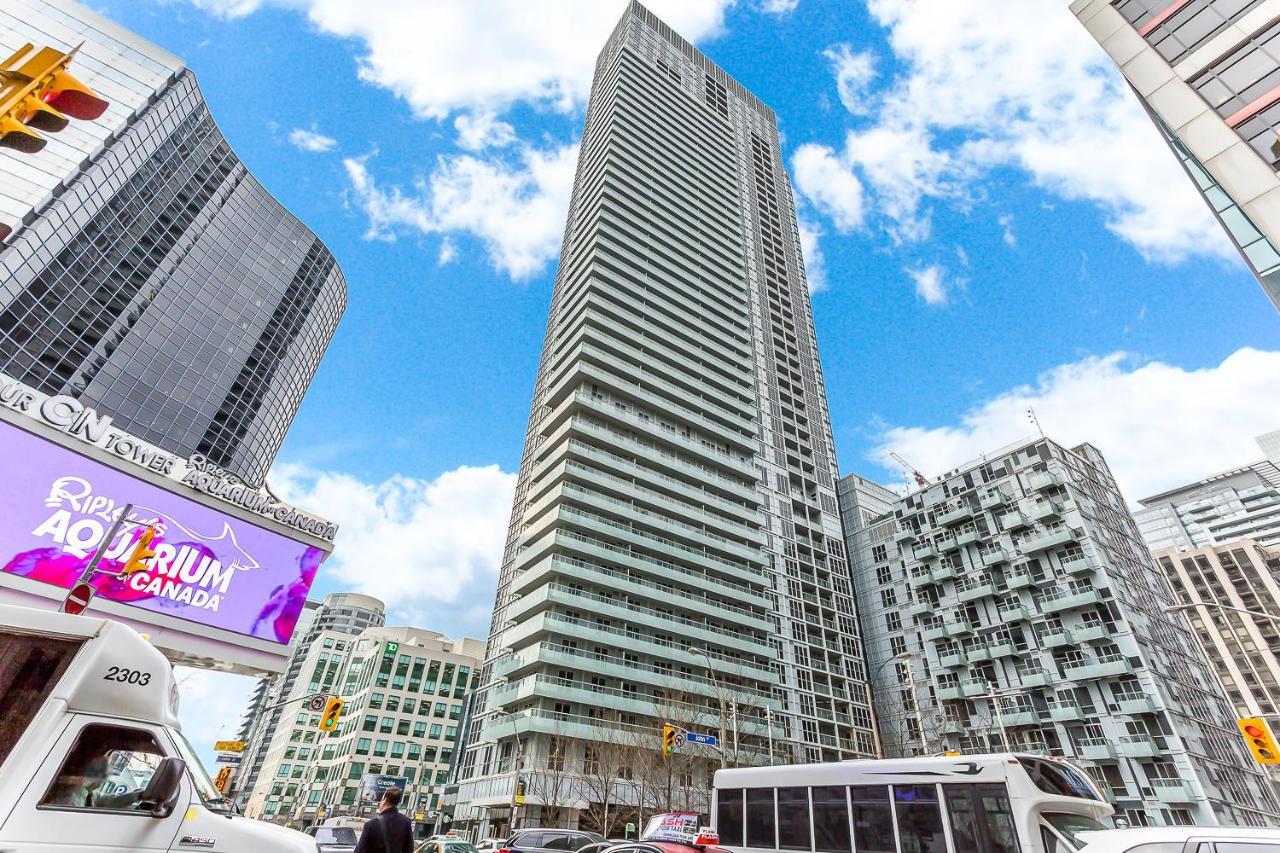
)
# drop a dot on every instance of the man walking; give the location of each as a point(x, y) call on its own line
point(390, 831)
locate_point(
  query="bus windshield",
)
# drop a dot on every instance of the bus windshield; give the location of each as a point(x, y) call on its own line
point(1069, 824)
point(1061, 779)
point(208, 792)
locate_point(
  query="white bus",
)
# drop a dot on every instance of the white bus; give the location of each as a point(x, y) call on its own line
point(1001, 803)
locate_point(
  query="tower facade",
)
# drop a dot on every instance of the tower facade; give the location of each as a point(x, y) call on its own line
point(1206, 73)
point(1012, 605)
point(674, 551)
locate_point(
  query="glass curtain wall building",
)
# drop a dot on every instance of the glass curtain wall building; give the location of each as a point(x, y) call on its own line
point(160, 283)
point(1013, 605)
point(1208, 74)
point(674, 550)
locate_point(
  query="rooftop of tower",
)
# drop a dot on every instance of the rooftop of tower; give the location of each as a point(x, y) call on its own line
point(680, 43)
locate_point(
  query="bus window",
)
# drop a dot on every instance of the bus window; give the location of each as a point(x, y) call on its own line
point(872, 819)
point(1054, 778)
point(919, 819)
point(793, 819)
point(761, 827)
point(29, 669)
point(981, 820)
point(729, 816)
point(830, 821)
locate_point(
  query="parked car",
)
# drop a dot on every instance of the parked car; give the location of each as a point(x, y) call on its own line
point(549, 840)
point(446, 844)
point(333, 839)
point(1177, 839)
point(489, 845)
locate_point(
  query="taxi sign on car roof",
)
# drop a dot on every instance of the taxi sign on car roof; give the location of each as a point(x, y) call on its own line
point(681, 828)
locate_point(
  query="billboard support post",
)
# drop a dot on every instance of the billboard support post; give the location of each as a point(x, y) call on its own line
point(87, 574)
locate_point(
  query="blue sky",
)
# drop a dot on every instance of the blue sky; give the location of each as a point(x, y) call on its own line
point(993, 224)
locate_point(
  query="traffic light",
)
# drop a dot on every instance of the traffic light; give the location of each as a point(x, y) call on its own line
point(37, 93)
point(668, 739)
point(332, 710)
point(142, 552)
point(1258, 737)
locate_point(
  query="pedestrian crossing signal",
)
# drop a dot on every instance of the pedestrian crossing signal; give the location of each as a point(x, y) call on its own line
point(332, 710)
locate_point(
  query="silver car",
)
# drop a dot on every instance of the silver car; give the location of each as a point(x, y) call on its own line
point(333, 839)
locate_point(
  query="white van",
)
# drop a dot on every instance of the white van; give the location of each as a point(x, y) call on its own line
point(92, 758)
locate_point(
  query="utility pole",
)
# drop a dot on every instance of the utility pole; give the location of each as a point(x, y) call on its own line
point(768, 724)
point(915, 704)
point(994, 698)
point(715, 683)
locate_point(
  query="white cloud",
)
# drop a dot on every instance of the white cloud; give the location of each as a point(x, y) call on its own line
point(516, 208)
point(991, 85)
point(854, 73)
point(815, 265)
point(311, 140)
point(1006, 230)
point(448, 252)
point(429, 549)
point(829, 186)
point(931, 283)
point(779, 7)
point(477, 131)
point(1158, 425)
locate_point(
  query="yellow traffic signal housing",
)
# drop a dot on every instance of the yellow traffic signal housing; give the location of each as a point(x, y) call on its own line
point(1259, 739)
point(38, 93)
point(142, 553)
point(668, 739)
point(332, 711)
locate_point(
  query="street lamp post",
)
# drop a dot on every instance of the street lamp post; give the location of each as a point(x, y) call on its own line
point(911, 685)
point(715, 684)
point(1256, 614)
point(518, 758)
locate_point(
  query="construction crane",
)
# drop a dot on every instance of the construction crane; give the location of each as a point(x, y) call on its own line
point(921, 480)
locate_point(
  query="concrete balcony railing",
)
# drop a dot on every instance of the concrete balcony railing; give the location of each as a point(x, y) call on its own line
point(955, 515)
point(1134, 703)
point(1065, 711)
point(1173, 791)
point(1139, 746)
point(1049, 538)
point(1043, 480)
point(906, 535)
point(974, 588)
point(1057, 638)
point(950, 692)
point(943, 572)
point(1092, 633)
point(1015, 520)
point(996, 556)
point(1097, 749)
point(1015, 613)
point(1069, 599)
point(993, 499)
point(1078, 566)
point(1041, 510)
point(953, 659)
point(1034, 676)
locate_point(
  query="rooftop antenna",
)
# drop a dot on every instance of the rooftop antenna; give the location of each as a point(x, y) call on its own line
point(1031, 416)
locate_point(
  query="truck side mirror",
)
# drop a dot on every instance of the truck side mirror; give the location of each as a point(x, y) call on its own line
point(161, 794)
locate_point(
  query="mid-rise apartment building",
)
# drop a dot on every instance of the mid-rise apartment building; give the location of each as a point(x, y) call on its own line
point(1242, 503)
point(155, 279)
point(675, 551)
point(1221, 581)
point(404, 691)
point(1206, 72)
point(1011, 604)
point(334, 622)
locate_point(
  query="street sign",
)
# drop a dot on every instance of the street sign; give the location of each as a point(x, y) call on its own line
point(224, 779)
point(77, 599)
point(705, 740)
point(420, 816)
point(317, 702)
point(228, 746)
point(679, 739)
point(227, 758)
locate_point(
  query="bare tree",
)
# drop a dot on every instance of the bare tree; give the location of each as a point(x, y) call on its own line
point(551, 785)
point(605, 767)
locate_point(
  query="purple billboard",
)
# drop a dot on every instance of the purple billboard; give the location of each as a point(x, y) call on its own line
point(56, 506)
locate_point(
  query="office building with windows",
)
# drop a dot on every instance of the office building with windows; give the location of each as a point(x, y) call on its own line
point(158, 281)
point(324, 626)
point(1222, 580)
point(404, 691)
point(675, 550)
point(1011, 604)
point(1208, 74)
point(1242, 503)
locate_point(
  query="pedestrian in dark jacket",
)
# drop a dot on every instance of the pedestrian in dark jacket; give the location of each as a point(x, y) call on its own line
point(390, 831)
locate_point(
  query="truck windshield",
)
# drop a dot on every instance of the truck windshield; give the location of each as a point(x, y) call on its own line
point(208, 792)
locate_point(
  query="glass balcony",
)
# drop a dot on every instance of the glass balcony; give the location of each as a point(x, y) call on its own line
point(1139, 746)
point(1096, 749)
point(956, 515)
point(1017, 613)
point(935, 630)
point(995, 556)
point(953, 660)
point(974, 687)
point(1135, 704)
point(960, 628)
point(950, 692)
point(920, 577)
point(1001, 648)
point(979, 653)
point(1092, 633)
point(993, 499)
point(1174, 791)
point(969, 536)
point(972, 589)
point(1045, 509)
point(946, 543)
point(943, 572)
point(1034, 676)
point(1069, 599)
point(1106, 667)
point(1014, 520)
point(1078, 566)
point(1020, 577)
point(1057, 638)
point(925, 551)
point(1047, 539)
point(1020, 717)
point(906, 535)
point(917, 609)
point(1042, 480)
point(1065, 711)
point(953, 726)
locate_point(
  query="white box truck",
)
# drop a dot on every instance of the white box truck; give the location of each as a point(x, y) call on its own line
point(92, 757)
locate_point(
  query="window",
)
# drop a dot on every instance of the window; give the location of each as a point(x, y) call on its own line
point(1058, 779)
point(981, 821)
point(793, 819)
point(831, 821)
point(29, 668)
point(107, 768)
point(362, 746)
point(872, 819)
point(919, 819)
point(761, 829)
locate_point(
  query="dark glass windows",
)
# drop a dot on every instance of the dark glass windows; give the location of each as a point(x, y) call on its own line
point(761, 826)
point(981, 820)
point(872, 819)
point(919, 819)
point(830, 821)
point(793, 819)
point(729, 816)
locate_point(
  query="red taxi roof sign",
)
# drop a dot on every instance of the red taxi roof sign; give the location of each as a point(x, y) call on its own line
point(680, 828)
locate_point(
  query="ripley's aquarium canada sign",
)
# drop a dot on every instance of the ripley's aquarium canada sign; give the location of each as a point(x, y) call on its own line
point(56, 506)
